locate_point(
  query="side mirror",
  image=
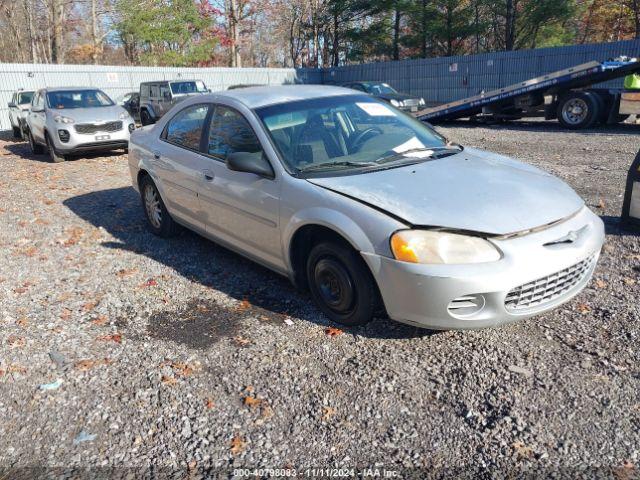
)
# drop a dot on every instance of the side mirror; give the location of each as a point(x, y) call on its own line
point(255, 163)
point(167, 96)
point(12, 105)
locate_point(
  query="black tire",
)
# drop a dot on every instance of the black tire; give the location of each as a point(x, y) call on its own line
point(54, 156)
point(163, 225)
point(621, 118)
point(145, 118)
point(17, 132)
point(341, 284)
point(578, 110)
point(36, 148)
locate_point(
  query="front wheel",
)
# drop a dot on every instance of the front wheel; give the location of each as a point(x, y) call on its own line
point(17, 132)
point(158, 219)
point(54, 156)
point(341, 284)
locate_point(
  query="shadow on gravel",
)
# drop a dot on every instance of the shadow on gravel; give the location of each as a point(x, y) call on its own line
point(263, 294)
point(21, 149)
point(546, 127)
point(613, 226)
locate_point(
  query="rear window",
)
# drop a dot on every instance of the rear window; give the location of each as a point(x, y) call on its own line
point(188, 87)
point(78, 99)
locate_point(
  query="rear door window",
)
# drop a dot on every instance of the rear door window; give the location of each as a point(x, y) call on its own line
point(185, 128)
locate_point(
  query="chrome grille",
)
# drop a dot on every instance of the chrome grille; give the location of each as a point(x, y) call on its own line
point(91, 128)
point(547, 289)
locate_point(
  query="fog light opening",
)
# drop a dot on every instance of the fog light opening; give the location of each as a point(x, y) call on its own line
point(63, 135)
point(132, 127)
point(467, 305)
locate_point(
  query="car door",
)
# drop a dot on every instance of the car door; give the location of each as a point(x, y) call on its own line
point(38, 116)
point(179, 163)
point(164, 99)
point(239, 208)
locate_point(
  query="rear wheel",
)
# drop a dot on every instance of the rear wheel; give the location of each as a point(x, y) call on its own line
point(578, 110)
point(145, 118)
point(341, 284)
point(158, 219)
point(36, 148)
point(54, 156)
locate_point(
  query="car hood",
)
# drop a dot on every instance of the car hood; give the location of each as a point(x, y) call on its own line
point(92, 115)
point(473, 191)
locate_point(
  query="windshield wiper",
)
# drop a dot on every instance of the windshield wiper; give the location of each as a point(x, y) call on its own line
point(402, 155)
point(342, 163)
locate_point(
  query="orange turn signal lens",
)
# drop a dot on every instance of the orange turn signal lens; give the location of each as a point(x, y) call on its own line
point(402, 250)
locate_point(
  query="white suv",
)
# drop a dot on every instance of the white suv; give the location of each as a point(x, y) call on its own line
point(18, 111)
point(73, 120)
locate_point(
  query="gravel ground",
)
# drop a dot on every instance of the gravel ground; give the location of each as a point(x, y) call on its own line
point(122, 351)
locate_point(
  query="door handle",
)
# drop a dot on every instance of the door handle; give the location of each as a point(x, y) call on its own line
point(208, 175)
point(156, 155)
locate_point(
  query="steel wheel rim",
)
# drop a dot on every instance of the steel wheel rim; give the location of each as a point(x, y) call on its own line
point(152, 205)
point(575, 111)
point(334, 286)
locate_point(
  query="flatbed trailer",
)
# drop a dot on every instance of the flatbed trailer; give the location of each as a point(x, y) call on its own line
point(566, 95)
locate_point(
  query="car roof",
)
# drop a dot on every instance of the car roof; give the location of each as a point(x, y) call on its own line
point(68, 89)
point(256, 97)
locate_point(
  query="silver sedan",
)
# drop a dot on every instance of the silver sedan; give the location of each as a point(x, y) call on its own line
point(370, 210)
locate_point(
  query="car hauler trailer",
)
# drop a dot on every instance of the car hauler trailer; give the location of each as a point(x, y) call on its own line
point(567, 95)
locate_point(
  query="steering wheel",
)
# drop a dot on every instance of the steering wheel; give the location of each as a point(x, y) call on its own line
point(361, 136)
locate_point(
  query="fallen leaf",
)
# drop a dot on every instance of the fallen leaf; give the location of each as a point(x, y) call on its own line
point(241, 341)
point(100, 320)
point(87, 307)
point(629, 281)
point(22, 322)
point(12, 368)
point(333, 331)
point(84, 365)
point(65, 314)
point(126, 272)
point(601, 204)
point(15, 341)
point(583, 308)
point(114, 337)
point(237, 445)
point(522, 450)
point(600, 283)
point(74, 236)
point(627, 471)
point(168, 380)
point(244, 305)
point(327, 413)
point(209, 403)
point(182, 369)
point(149, 283)
point(252, 402)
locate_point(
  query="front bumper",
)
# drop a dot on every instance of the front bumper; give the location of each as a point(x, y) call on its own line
point(98, 141)
point(422, 295)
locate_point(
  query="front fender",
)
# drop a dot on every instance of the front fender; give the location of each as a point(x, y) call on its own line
point(331, 219)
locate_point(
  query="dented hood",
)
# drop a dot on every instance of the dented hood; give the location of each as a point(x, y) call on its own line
point(473, 190)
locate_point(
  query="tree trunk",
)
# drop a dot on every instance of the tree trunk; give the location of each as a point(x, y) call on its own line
point(30, 31)
point(510, 26)
point(423, 39)
point(336, 41)
point(635, 7)
point(396, 33)
point(95, 40)
point(234, 34)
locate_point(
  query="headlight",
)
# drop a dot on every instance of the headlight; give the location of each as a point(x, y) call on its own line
point(63, 119)
point(432, 247)
point(124, 115)
point(396, 103)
